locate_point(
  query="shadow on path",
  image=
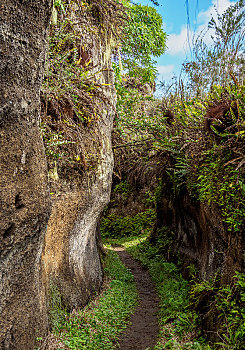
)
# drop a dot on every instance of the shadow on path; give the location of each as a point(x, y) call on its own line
point(143, 331)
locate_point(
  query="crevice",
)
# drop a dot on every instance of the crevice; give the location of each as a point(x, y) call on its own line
point(18, 202)
point(7, 233)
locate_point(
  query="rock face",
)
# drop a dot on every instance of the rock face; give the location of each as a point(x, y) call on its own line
point(197, 234)
point(84, 241)
point(200, 235)
point(46, 245)
point(71, 257)
point(24, 201)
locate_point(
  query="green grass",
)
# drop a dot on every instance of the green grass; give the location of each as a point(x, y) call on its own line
point(99, 324)
point(177, 322)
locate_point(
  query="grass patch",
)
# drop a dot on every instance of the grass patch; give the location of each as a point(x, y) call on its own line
point(98, 325)
point(178, 325)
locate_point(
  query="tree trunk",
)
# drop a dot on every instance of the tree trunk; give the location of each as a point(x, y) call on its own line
point(24, 197)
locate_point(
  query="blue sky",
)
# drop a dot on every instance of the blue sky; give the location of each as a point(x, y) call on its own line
point(174, 16)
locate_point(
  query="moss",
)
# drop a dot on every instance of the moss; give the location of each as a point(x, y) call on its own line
point(57, 311)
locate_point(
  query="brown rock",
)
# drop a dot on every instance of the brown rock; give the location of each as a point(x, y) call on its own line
point(24, 200)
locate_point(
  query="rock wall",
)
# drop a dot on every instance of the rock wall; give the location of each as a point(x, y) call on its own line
point(199, 234)
point(71, 257)
point(195, 233)
point(24, 197)
point(50, 211)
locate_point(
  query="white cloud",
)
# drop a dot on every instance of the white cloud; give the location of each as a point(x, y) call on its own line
point(219, 5)
point(165, 72)
point(178, 43)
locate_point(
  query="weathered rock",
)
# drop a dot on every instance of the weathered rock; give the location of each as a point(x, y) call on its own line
point(71, 256)
point(24, 197)
point(200, 235)
point(70, 260)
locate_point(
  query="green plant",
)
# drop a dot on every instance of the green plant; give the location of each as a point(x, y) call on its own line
point(66, 78)
point(135, 69)
point(97, 325)
point(177, 322)
point(178, 173)
point(220, 182)
point(230, 303)
point(223, 60)
point(227, 303)
point(124, 189)
point(150, 200)
point(143, 38)
point(117, 226)
point(38, 339)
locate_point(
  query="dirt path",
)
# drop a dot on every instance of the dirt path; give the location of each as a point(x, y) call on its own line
point(143, 331)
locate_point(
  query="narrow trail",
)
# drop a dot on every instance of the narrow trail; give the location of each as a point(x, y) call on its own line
point(143, 331)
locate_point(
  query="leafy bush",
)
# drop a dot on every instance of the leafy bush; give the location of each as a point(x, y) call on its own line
point(117, 226)
point(227, 302)
point(230, 303)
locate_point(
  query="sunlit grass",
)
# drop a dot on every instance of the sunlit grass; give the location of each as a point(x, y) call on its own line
point(126, 242)
point(177, 323)
point(98, 325)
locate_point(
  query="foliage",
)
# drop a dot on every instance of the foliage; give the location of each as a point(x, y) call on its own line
point(123, 188)
point(134, 65)
point(218, 175)
point(66, 78)
point(73, 87)
point(117, 226)
point(223, 60)
point(57, 310)
point(228, 193)
point(97, 326)
point(203, 141)
point(227, 303)
point(71, 74)
point(200, 130)
point(230, 301)
point(143, 38)
point(130, 109)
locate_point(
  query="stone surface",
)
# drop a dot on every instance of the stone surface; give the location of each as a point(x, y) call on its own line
point(71, 257)
point(200, 235)
point(43, 244)
point(24, 201)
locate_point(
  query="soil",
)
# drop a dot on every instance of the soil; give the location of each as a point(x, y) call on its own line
point(143, 330)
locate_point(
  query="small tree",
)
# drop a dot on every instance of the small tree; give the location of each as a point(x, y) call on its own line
point(143, 39)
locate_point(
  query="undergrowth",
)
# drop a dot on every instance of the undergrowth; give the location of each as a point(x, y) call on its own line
point(98, 325)
point(118, 226)
point(180, 301)
point(178, 324)
point(227, 304)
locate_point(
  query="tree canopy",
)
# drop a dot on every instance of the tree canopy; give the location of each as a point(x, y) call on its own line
point(143, 40)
